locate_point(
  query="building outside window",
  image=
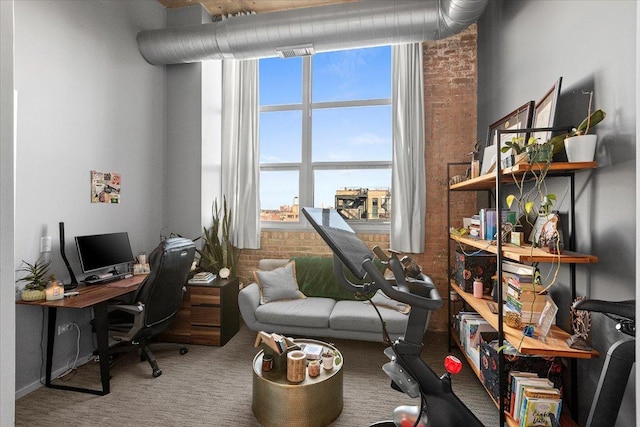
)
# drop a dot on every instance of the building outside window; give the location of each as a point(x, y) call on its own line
point(325, 136)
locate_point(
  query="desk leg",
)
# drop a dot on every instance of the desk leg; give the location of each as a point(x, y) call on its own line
point(102, 335)
point(51, 336)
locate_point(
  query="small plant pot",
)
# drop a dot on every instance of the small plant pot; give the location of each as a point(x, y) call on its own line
point(540, 153)
point(581, 148)
point(327, 361)
point(33, 295)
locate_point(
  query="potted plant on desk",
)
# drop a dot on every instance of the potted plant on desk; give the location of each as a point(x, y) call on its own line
point(36, 278)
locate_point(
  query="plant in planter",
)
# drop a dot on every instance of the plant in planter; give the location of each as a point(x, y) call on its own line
point(532, 151)
point(36, 278)
point(218, 253)
point(579, 144)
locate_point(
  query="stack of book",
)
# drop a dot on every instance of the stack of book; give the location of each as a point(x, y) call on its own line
point(474, 226)
point(525, 298)
point(202, 278)
point(533, 399)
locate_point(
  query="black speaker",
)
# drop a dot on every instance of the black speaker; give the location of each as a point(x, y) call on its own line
point(74, 281)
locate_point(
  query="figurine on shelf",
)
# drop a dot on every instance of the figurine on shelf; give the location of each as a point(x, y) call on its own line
point(581, 325)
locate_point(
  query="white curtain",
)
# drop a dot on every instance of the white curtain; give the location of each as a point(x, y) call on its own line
point(240, 150)
point(408, 176)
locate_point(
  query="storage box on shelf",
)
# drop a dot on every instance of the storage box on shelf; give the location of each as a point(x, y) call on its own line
point(472, 264)
point(543, 366)
point(555, 345)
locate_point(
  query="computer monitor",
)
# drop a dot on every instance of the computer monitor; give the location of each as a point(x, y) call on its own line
point(103, 251)
point(341, 238)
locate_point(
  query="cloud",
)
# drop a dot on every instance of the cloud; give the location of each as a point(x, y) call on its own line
point(368, 138)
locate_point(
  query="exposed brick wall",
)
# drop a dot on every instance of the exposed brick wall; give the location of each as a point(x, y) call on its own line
point(450, 87)
point(286, 244)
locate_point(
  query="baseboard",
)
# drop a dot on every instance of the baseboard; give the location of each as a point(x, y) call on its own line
point(37, 384)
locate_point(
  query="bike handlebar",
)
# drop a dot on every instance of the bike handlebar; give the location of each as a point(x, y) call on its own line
point(418, 292)
point(626, 309)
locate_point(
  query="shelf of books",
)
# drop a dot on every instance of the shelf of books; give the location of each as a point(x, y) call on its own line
point(527, 253)
point(522, 300)
point(554, 345)
point(565, 420)
point(488, 180)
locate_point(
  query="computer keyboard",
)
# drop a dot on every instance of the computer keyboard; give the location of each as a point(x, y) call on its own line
point(103, 280)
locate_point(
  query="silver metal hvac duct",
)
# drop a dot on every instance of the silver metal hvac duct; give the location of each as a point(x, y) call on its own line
point(325, 28)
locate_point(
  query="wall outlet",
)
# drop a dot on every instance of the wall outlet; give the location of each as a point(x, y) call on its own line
point(64, 328)
point(45, 244)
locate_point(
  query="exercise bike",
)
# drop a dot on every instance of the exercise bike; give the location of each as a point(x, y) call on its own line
point(439, 406)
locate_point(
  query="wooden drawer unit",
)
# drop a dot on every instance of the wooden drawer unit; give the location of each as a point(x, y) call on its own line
point(209, 314)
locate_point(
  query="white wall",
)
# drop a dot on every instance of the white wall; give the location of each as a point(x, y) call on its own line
point(7, 195)
point(87, 101)
point(194, 117)
point(523, 47)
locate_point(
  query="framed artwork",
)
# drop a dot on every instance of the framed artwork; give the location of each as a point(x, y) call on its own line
point(544, 114)
point(105, 187)
point(520, 118)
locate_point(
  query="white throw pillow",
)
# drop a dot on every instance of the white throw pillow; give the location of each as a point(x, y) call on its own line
point(279, 284)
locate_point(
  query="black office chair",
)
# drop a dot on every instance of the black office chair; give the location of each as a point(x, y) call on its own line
point(150, 310)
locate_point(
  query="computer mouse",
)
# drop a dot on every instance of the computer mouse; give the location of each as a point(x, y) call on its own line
point(92, 277)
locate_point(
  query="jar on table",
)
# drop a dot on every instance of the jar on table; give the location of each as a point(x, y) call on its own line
point(267, 362)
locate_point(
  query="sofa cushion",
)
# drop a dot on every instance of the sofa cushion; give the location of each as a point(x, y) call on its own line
point(361, 316)
point(278, 284)
point(316, 278)
point(308, 312)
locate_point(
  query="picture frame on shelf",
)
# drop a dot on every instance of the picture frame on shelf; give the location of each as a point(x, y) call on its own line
point(547, 231)
point(544, 113)
point(547, 318)
point(520, 118)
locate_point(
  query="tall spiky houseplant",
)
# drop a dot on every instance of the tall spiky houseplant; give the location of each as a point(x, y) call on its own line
point(217, 250)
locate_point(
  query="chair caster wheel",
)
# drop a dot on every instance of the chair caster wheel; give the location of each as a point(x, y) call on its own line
point(157, 373)
point(184, 350)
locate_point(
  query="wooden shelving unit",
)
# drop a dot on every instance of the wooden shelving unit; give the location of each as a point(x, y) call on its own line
point(555, 343)
point(527, 254)
point(508, 175)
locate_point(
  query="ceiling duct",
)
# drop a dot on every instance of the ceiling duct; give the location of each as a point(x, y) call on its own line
point(324, 28)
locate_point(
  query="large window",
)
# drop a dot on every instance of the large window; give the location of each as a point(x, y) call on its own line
point(325, 135)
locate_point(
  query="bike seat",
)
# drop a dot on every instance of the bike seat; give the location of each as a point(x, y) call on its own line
point(626, 309)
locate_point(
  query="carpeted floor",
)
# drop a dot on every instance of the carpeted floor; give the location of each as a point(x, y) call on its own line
point(212, 386)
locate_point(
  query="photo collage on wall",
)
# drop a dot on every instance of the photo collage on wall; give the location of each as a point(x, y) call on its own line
point(105, 187)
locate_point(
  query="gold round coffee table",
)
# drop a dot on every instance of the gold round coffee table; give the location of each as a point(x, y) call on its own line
point(310, 403)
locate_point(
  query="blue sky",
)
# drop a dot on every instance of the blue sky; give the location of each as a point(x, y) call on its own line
point(346, 134)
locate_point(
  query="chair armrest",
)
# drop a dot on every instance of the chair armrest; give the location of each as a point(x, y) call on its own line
point(249, 301)
point(138, 321)
point(127, 308)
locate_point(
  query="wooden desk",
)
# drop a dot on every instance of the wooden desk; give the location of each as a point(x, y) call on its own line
point(95, 296)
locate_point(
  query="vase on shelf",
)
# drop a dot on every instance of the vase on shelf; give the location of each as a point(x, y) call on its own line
point(581, 148)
